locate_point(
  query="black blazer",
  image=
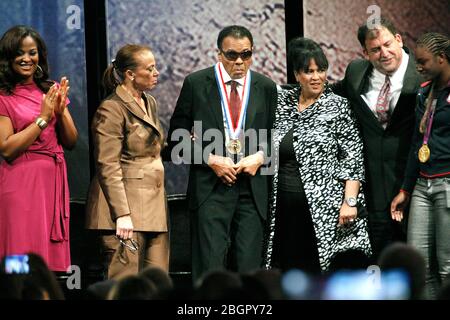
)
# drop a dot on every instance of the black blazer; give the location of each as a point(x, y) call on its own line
point(199, 100)
point(385, 150)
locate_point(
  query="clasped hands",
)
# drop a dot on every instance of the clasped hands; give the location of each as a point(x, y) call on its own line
point(228, 171)
point(54, 101)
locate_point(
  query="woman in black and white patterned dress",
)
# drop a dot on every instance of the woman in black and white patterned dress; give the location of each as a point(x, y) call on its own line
point(318, 168)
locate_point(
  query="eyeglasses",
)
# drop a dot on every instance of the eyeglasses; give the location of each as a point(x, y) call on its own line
point(233, 55)
point(133, 245)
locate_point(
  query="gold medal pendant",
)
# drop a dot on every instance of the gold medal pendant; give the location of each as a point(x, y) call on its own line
point(234, 146)
point(424, 153)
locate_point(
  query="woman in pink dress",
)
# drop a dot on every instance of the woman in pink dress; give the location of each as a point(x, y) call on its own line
point(35, 124)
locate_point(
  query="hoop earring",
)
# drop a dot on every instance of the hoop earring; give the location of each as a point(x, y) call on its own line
point(39, 72)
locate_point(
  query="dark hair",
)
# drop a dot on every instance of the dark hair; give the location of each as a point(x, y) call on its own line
point(218, 285)
point(364, 31)
point(404, 256)
point(125, 60)
point(437, 43)
point(10, 44)
point(44, 277)
point(133, 287)
point(237, 32)
point(160, 279)
point(302, 50)
point(33, 285)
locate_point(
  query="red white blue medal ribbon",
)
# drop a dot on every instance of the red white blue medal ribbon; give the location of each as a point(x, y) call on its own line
point(233, 131)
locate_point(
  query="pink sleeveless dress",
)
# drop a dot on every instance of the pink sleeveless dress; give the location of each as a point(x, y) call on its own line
point(34, 194)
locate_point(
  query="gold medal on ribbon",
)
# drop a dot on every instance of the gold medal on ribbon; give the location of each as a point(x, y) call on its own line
point(424, 153)
point(234, 146)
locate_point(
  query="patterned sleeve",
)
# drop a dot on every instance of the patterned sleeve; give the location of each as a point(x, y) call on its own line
point(282, 109)
point(350, 158)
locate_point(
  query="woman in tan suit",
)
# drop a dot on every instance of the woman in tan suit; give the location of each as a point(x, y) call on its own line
point(126, 198)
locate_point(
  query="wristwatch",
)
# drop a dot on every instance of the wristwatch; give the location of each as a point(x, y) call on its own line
point(351, 201)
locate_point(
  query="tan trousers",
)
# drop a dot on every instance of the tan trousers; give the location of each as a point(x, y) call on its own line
point(148, 249)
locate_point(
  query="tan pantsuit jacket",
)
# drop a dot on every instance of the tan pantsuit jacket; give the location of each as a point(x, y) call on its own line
point(130, 173)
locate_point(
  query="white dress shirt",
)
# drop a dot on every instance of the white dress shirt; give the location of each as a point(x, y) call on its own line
point(240, 89)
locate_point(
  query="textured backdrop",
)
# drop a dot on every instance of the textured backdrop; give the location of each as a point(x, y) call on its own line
point(334, 24)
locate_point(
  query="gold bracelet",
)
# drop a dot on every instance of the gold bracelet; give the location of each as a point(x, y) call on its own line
point(41, 123)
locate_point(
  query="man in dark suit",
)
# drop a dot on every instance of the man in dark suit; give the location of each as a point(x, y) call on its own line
point(228, 196)
point(382, 90)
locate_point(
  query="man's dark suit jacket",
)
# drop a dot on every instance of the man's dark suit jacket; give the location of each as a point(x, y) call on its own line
point(199, 100)
point(385, 150)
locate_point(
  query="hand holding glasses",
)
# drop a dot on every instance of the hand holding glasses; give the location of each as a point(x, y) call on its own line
point(132, 245)
point(233, 55)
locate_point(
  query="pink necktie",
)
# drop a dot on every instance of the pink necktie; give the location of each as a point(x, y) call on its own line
point(235, 104)
point(383, 102)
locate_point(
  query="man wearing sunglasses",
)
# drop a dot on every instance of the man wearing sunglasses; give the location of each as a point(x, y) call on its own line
point(227, 194)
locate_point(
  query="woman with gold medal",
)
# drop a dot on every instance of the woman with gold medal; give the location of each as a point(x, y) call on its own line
point(427, 177)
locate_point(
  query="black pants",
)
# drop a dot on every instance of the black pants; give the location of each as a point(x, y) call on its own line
point(227, 231)
point(383, 231)
point(295, 243)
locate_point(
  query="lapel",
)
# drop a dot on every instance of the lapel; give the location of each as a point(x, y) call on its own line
point(253, 102)
point(134, 108)
point(214, 106)
point(412, 77)
point(359, 84)
point(411, 83)
point(360, 76)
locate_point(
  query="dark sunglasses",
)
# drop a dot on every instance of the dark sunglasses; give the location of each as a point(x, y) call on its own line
point(233, 55)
